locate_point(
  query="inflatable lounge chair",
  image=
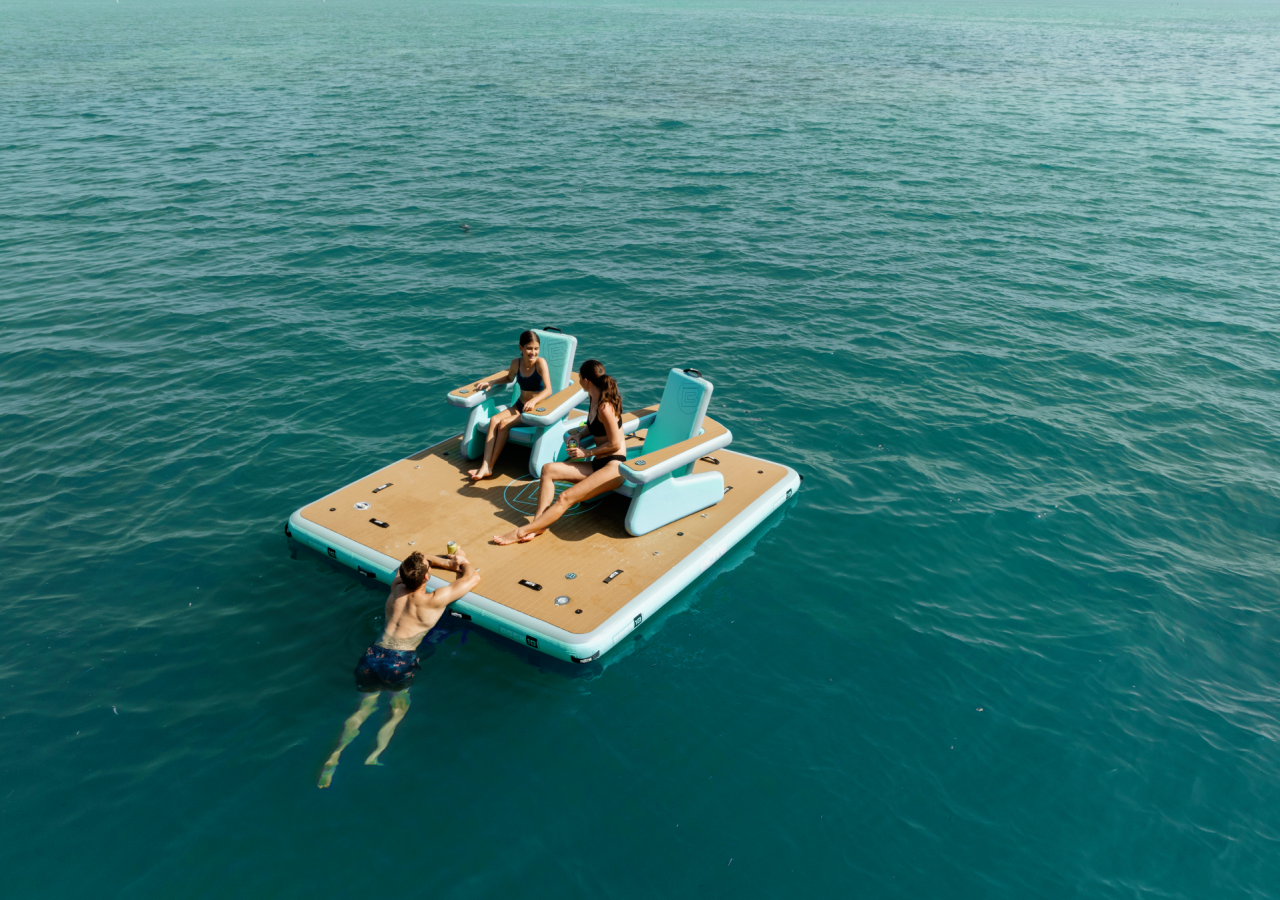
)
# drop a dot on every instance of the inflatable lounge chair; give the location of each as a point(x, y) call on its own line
point(558, 350)
point(659, 478)
point(658, 474)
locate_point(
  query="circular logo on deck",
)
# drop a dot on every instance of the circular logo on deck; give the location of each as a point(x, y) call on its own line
point(522, 496)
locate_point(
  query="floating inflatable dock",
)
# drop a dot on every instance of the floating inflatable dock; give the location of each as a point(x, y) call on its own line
point(600, 572)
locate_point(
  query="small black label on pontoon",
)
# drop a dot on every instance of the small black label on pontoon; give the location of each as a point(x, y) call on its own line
point(638, 619)
point(531, 640)
point(365, 572)
point(332, 554)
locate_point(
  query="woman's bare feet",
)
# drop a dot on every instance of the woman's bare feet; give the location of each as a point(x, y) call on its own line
point(481, 473)
point(513, 537)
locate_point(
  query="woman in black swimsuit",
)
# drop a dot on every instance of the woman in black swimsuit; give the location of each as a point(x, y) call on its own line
point(593, 470)
point(534, 388)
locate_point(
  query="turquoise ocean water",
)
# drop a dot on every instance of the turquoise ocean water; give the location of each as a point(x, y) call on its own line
point(998, 278)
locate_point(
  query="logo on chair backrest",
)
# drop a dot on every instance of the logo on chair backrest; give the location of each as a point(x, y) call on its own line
point(690, 394)
point(554, 354)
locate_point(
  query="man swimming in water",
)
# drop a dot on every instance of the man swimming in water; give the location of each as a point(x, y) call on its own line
point(392, 662)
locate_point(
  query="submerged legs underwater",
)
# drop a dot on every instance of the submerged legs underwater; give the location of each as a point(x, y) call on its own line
point(351, 728)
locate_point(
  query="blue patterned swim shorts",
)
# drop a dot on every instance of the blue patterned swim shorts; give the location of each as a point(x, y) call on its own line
point(381, 669)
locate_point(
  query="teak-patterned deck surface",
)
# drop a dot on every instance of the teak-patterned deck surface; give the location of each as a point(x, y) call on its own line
point(430, 501)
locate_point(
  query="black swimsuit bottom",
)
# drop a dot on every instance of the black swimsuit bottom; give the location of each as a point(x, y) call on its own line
point(597, 463)
point(597, 430)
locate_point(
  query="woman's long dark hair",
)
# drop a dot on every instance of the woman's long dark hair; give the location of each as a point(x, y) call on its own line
point(593, 371)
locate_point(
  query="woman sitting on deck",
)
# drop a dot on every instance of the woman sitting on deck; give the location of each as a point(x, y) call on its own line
point(593, 470)
point(534, 388)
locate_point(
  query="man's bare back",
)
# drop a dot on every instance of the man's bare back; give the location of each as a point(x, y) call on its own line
point(410, 614)
point(412, 610)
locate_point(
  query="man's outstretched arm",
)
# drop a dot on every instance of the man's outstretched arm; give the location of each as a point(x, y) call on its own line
point(468, 578)
point(448, 563)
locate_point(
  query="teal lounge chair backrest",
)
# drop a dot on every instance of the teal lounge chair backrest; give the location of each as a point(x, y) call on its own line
point(684, 404)
point(558, 350)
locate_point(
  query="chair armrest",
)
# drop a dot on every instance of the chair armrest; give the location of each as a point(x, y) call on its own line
point(643, 418)
point(557, 406)
point(652, 466)
point(467, 396)
point(640, 418)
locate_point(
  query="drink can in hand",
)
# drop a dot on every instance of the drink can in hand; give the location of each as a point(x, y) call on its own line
point(451, 548)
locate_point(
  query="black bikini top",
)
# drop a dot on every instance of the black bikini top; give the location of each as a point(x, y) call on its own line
point(595, 426)
point(530, 382)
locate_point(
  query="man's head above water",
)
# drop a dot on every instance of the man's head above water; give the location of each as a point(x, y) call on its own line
point(415, 570)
